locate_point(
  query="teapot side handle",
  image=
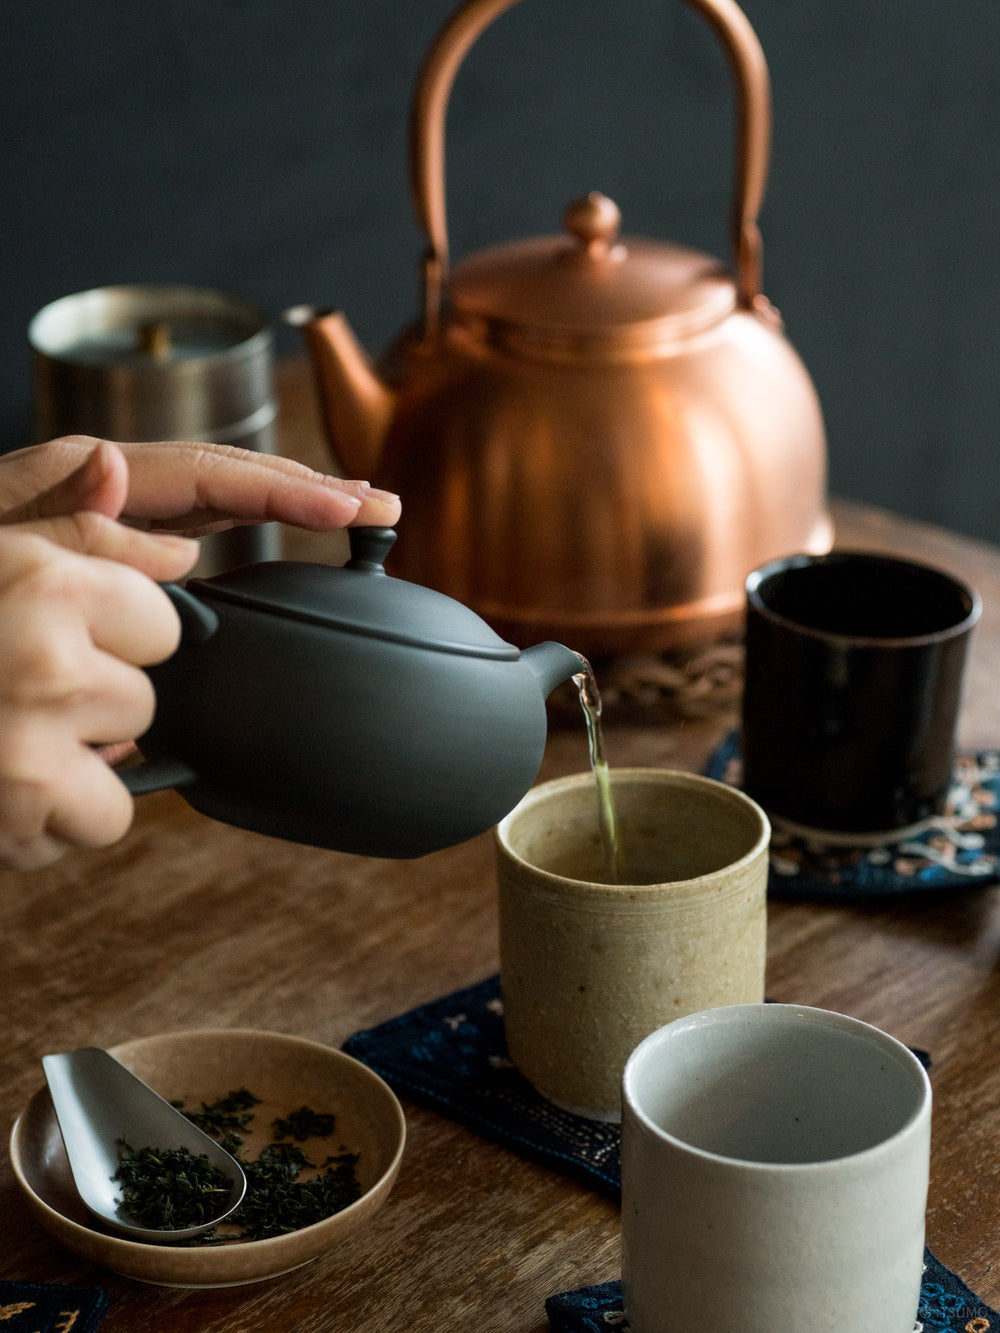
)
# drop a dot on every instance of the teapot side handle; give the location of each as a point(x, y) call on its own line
point(198, 621)
point(157, 775)
point(430, 105)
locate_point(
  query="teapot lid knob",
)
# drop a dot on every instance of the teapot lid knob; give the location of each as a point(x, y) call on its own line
point(369, 548)
point(594, 221)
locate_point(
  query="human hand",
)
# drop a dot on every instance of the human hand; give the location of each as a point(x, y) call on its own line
point(81, 612)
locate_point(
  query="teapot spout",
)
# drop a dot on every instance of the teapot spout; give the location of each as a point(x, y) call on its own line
point(356, 406)
point(552, 664)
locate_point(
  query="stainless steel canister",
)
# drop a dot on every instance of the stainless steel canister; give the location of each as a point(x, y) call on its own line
point(135, 363)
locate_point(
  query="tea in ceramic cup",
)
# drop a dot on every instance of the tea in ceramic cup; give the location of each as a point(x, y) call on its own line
point(774, 1175)
point(589, 968)
point(854, 670)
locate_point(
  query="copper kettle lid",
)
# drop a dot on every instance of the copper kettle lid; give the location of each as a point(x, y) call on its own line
point(590, 281)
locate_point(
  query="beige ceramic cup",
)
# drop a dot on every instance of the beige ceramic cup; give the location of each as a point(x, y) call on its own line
point(588, 969)
point(774, 1175)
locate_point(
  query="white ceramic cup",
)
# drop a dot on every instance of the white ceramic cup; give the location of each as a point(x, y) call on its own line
point(589, 968)
point(774, 1175)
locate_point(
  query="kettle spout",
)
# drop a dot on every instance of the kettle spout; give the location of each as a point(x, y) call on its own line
point(552, 664)
point(355, 404)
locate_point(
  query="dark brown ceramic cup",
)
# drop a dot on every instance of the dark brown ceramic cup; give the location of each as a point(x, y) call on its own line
point(854, 670)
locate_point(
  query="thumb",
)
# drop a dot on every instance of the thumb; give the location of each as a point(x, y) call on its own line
point(99, 486)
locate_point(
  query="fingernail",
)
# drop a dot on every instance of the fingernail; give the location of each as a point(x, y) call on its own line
point(99, 457)
point(386, 497)
point(173, 541)
point(340, 483)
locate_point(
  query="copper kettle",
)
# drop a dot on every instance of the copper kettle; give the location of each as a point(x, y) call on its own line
point(596, 437)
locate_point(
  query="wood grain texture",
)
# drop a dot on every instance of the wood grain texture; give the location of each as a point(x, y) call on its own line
point(188, 923)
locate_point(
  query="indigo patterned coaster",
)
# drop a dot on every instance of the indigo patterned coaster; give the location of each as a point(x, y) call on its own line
point(960, 850)
point(43, 1307)
point(451, 1055)
point(946, 1306)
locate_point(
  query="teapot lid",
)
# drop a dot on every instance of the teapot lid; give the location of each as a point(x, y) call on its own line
point(591, 283)
point(360, 598)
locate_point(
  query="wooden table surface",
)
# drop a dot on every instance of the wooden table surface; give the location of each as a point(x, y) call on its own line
point(189, 923)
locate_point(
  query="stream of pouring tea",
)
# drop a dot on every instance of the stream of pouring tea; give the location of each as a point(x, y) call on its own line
point(590, 700)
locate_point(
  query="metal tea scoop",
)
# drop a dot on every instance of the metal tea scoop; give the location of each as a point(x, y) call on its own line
point(99, 1103)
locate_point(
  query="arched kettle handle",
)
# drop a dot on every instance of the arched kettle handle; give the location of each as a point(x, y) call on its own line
point(198, 623)
point(430, 104)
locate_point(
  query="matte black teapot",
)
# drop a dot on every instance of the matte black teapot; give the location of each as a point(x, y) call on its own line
point(343, 708)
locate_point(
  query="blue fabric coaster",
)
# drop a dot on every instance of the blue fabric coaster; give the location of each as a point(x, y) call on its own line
point(946, 1306)
point(960, 851)
point(451, 1055)
point(43, 1307)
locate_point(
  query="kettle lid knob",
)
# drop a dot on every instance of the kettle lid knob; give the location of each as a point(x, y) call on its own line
point(369, 548)
point(594, 221)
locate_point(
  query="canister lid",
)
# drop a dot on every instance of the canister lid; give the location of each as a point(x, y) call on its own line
point(153, 362)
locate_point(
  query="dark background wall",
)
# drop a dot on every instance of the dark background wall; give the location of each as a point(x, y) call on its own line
point(260, 146)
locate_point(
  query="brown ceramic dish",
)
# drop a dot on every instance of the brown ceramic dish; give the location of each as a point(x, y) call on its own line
point(286, 1073)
